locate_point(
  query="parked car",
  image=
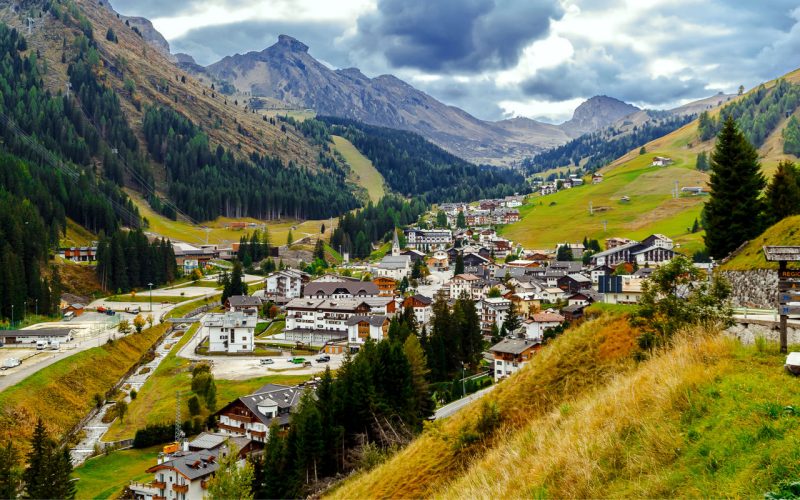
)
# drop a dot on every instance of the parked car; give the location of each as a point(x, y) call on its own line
point(101, 309)
point(41, 345)
point(10, 363)
point(110, 312)
point(323, 359)
point(267, 361)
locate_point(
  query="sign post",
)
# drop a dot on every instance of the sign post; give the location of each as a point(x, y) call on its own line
point(788, 285)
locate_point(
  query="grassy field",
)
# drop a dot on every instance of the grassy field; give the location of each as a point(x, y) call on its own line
point(786, 232)
point(274, 327)
point(220, 232)
point(77, 236)
point(62, 393)
point(565, 216)
point(366, 175)
point(105, 476)
point(706, 416)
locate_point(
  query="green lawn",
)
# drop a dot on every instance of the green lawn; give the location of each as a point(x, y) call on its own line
point(366, 175)
point(276, 326)
point(106, 476)
point(205, 283)
point(785, 232)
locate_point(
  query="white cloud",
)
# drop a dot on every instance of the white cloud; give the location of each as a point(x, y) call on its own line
point(553, 112)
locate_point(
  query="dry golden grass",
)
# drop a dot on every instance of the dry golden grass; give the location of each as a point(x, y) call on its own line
point(601, 441)
point(570, 367)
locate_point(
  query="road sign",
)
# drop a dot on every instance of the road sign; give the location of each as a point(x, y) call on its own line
point(790, 310)
point(785, 298)
point(789, 274)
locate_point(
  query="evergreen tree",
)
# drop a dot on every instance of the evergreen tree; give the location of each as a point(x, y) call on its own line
point(459, 267)
point(9, 472)
point(791, 137)
point(783, 193)
point(49, 468)
point(461, 220)
point(702, 161)
point(733, 214)
point(564, 253)
point(513, 321)
point(272, 482)
point(441, 219)
point(319, 250)
point(236, 284)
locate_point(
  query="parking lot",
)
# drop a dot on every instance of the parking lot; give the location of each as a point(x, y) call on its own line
point(231, 368)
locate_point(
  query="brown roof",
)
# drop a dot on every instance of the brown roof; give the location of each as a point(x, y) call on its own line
point(547, 318)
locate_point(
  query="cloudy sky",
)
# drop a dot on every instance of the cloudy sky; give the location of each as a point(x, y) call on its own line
point(502, 58)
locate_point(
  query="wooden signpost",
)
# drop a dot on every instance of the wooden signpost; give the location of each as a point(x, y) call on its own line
point(788, 285)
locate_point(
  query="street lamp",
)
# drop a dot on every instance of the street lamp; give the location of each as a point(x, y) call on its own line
point(24, 310)
point(151, 296)
point(37, 307)
point(12, 315)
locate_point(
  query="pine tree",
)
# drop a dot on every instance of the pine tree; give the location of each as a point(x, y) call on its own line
point(733, 214)
point(36, 474)
point(419, 373)
point(513, 321)
point(61, 469)
point(459, 268)
point(702, 161)
point(273, 470)
point(461, 221)
point(783, 193)
point(564, 253)
point(9, 472)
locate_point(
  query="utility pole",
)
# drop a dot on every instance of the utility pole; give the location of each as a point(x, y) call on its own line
point(151, 296)
point(591, 210)
point(605, 226)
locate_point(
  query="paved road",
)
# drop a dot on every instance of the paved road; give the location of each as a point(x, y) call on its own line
point(448, 409)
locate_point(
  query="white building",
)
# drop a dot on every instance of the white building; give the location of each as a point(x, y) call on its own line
point(493, 311)
point(287, 284)
point(361, 328)
point(251, 416)
point(464, 284)
point(510, 355)
point(539, 323)
point(318, 321)
point(231, 332)
point(429, 239)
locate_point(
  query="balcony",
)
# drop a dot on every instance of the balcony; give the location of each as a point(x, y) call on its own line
point(159, 485)
point(239, 418)
point(230, 428)
point(181, 488)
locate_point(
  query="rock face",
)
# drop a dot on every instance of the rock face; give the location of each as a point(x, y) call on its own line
point(597, 113)
point(148, 31)
point(286, 72)
point(758, 289)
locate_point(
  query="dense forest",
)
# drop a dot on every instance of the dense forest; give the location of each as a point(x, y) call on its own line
point(126, 260)
point(46, 176)
point(412, 166)
point(206, 183)
point(756, 114)
point(357, 231)
point(600, 149)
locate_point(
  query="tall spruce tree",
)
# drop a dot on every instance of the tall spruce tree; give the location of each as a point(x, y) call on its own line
point(459, 268)
point(783, 193)
point(733, 214)
point(9, 472)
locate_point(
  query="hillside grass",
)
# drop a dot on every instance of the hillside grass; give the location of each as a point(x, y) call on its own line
point(704, 417)
point(565, 217)
point(576, 363)
point(364, 172)
point(106, 476)
point(61, 394)
point(77, 236)
point(221, 233)
point(785, 232)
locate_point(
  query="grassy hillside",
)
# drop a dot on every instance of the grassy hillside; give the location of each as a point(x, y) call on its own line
point(364, 172)
point(705, 417)
point(651, 209)
point(785, 232)
point(61, 394)
point(106, 476)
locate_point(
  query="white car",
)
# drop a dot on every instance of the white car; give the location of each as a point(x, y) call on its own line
point(267, 361)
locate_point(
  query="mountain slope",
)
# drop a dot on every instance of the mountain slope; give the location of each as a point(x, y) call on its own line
point(597, 113)
point(584, 421)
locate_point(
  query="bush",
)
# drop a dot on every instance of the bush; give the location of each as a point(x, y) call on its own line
point(194, 406)
point(133, 394)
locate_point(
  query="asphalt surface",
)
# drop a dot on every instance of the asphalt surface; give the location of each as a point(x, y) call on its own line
point(451, 408)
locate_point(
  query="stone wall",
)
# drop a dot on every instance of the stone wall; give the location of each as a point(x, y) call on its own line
point(758, 289)
point(748, 331)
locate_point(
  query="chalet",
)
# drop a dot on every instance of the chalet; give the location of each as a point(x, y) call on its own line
point(422, 307)
point(573, 313)
point(361, 328)
point(386, 286)
point(616, 242)
point(318, 321)
point(501, 247)
point(523, 263)
point(78, 254)
point(525, 303)
point(251, 416)
point(584, 298)
point(539, 323)
point(287, 284)
point(573, 181)
point(473, 262)
point(486, 236)
point(414, 255)
point(439, 261)
point(548, 188)
point(243, 303)
point(572, 283)
point(597, 178)
point(510, 355)
point(552, 295)
point(182, 475)
point(75, 308)
point(185, 251)
point(654, 250)
point(231, 332)
point(341, 290)
point(661, 161)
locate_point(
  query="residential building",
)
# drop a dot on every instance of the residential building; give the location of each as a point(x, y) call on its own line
point(552, 294)
point(181, 475)
point(510, 355)
point(654, 250)
point(572, 283)
point(463, 285)
point(286, 284)
point(33, 335)
point(597, 178)
point(231, 332)
point(317, 321)
point(661, 161)
point(422, 306)
point(361, 328)
point(341, 289)
point(473, 262)
point(526, 303)
point(251, 416)
point(243, 303)
point(573, 313)
point(539, 323)
point(493, 311)
point(620, 289)
point(79, 254)
point(429, 239)
point(386, 286)
point(617, 242)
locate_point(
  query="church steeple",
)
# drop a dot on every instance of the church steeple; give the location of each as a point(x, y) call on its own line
point(395, 245)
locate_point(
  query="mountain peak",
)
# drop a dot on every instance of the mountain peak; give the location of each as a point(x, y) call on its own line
point(290, 43)
point(595, 113)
